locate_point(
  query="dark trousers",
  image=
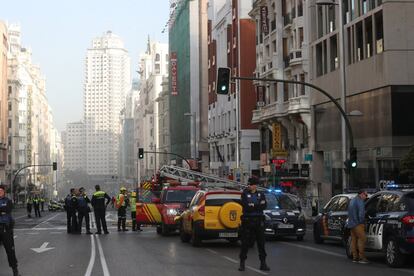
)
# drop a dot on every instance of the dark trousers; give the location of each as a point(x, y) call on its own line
point(122, 217)
point(74, 221)
point(6, 237)
point(252, 229)
point(81, 215)
point(100, 219)
point(29, 210)
point(69, 221)
point(134, 220)
point(37, 210)
point(43, 206)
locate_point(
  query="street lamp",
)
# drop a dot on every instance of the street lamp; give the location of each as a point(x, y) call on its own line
point(343, 78)
point(194, 135)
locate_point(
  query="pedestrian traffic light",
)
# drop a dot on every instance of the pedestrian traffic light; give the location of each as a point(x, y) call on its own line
point(223, 81)
point(141, 153)
point(54, 166)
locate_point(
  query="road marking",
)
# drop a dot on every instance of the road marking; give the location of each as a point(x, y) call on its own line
point(42, 248)
point(25, 216)
point(33, 233)
point(102, 256)
point(315, 249)
point(92, 259)
point(212, 251)
point(248, 267)
point(56, 232)
point(46, 220)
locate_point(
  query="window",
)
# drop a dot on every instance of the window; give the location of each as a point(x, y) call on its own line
point(379, 32)
point(255, 150)
point(331, 205)
point(368, 37)
point(157, 57)
point(334, 61)
point(387, 202)
point(342, 204)
point(359, 41)
point(371, 207)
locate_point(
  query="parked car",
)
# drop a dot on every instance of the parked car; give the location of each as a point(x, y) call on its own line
point(212, 214)
point(54, 206)
point(389, 224)
point(283, 216)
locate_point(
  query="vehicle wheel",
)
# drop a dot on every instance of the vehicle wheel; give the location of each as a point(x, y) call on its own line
point(159, 230)
point(348, 249)
point(195, 237)
point(393, 255)
point(164, 229)
point(317, 234)
point(183, 235)
point(299, 238)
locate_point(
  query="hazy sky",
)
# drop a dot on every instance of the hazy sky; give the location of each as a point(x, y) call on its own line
point(60, 31)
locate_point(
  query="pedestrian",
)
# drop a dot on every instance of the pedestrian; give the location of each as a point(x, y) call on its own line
point(83, 211)
point(99, 208)
point(68, 209)
point(36, 206)
point(122, 203)
point(42, 203)
point(252, 226)
point(356, 223)
point(6, 229)
point(132, 202)
point(74, 212)
point(29, 204)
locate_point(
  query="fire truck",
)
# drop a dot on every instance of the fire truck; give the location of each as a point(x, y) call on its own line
point(167, 195)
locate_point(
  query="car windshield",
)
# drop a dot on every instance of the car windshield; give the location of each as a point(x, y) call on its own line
point(179, 195)
point(280, 201)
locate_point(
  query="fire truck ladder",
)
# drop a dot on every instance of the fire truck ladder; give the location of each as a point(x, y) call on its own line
point(207, 180)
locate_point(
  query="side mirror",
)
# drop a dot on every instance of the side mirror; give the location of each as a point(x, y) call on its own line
point(156, 200)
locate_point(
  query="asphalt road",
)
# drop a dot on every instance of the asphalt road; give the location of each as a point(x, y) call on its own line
point(147, 253)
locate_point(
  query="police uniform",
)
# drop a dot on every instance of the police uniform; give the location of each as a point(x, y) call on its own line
point(42, 203)
point(6, 232)
point(122, 203)
point(99, 208)
point(68, 208)
point(29, 204)
point(83, 212)
point(252, 227)
point(36, 206)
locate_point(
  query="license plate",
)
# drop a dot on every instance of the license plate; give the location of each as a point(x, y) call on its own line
point(285, 226)
point(228, 235)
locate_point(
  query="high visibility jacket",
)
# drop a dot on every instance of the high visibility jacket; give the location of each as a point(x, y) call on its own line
point(120, 201)
point(132, 203)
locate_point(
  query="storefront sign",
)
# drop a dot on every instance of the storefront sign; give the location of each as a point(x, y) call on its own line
point(174, 74)
point(304, 172)
point(294, 172)
point(277, 136)
point(264, 22)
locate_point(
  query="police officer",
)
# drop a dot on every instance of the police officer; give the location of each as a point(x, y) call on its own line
point(68, 208)
point(83, 211)
point(36, 206)
point(252, 227)
point(6, 229)
point(99, 208)
point(122, 203)
point(42, 203)
point(29, 204)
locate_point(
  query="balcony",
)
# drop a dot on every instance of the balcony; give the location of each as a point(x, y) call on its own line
point(297, 105)
point(295, 57)
point(267, 112)
point(287, 20)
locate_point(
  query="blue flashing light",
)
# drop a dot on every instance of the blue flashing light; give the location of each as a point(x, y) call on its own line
point(278, 191)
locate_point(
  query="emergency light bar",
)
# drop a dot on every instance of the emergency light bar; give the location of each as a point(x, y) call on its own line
point(395, 186)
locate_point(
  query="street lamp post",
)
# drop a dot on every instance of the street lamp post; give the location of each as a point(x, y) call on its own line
point(345, 178)
point(194, 135)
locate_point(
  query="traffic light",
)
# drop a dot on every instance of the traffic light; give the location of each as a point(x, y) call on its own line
point(223, 81)
point(54, 165)
point(353, 158)
point(141, 153)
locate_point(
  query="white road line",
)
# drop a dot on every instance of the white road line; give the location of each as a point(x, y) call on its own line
point(40, 229)
point(102, 256)
point(92, 259)
point(25, 216)
point(46, 220)
point(315, 249)
point(248, 267)
point(210, 250)
point(56, 232)
point(230, 259)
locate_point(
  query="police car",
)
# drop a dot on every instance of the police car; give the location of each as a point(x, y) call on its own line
point(283, 216)
point(390, 224)
point(330, 223)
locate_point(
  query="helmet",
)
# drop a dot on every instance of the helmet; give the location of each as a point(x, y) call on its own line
point(123, 189)
point(133, 194)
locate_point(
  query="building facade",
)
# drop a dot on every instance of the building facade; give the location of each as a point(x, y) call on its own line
point(231, 43)
point(378, 84)
point(75, 147)
point(3, 101)
point(107, 80)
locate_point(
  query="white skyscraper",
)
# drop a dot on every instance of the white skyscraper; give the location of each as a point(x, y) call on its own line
point(107, 80)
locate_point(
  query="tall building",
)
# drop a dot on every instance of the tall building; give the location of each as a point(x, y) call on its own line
point(231, 43)
point(74, 143)
point(379, 84)
point(107, 80)
point(3, 101)
point(188, 98)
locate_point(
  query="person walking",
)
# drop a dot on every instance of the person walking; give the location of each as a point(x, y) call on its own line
point(83, 211)
point(29, 204)
point(6, 229)
point(99, 208)
point(36, 206)
point(252, 223)
point(122, 203)
point(356, 223)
